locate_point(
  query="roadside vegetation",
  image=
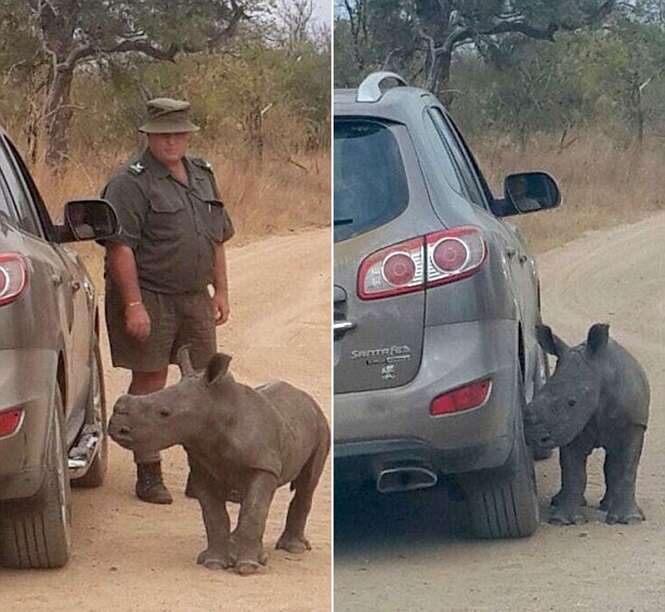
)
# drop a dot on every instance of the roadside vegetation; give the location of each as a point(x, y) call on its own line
point(76, 75)
point(602, 184)
point(572, 87)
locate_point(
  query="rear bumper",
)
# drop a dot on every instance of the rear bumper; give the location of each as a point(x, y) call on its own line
point(27, 379)
point(363, 461)
point(378, 429)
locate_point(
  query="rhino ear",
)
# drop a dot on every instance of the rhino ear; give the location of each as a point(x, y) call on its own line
point(597, 338)
point(217, 367)
point(550, 342)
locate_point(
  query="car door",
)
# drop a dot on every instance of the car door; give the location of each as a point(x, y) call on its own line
point(65, 272)
point(521, 264)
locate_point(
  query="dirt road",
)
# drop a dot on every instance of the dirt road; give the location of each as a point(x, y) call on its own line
point(129, 555)
point(396, 555)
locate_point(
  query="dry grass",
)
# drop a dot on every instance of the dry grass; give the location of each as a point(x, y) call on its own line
point(278, 196)
point(601, 184)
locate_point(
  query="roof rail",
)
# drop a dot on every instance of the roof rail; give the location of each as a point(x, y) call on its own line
point(370, 89)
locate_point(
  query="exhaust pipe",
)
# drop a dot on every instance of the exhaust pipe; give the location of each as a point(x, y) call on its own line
point(393, 480)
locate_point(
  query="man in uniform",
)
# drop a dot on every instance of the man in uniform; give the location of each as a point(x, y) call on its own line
point(168, 251)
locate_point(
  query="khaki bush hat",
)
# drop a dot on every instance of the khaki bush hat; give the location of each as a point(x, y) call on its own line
point(168, 116)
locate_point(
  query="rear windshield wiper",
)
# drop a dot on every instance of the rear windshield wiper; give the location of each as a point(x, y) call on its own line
point(343, 221)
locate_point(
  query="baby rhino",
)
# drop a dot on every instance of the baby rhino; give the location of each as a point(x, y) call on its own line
point(598, 396)
point(241, 443)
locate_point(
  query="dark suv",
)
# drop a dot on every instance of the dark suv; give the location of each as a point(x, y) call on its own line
point(435, 306)
point(52, 405)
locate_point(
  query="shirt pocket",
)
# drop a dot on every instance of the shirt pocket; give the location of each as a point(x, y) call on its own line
point(166, 217)
point(220, 226)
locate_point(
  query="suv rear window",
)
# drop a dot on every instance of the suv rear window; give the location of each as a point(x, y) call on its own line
point(5, 206)
point(370, 184)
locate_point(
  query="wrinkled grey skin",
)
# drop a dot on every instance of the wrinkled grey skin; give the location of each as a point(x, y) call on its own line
point(597, 397)
point(238, 439)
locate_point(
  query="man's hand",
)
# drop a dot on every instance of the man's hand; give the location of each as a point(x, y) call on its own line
point(137, 321)
point(220, 302)
point(220, 299)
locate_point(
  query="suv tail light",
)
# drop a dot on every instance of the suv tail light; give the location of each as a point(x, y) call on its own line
point(13, 277)
point(437, 258)
point(463, 398)
point(10, 421)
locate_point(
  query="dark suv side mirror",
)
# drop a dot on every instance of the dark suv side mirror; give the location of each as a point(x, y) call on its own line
point(87, 220)
point(531, 191)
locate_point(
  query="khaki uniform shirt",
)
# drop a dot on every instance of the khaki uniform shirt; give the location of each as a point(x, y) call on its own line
point(171, 227)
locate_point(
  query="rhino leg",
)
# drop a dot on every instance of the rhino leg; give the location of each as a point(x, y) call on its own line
point(248, 535)
point(610, 479)
point(572, 459)
point(293, 538)
point(216, 520)
point(624, 459)
point(557, 498)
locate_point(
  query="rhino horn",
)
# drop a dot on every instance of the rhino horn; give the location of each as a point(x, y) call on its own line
point(184, 361)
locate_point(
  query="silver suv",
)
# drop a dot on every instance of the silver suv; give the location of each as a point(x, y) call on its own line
point(435, 306)
point(52, 404)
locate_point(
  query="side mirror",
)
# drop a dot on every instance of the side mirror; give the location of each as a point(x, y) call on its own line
point(88, 220)
point(531, 191)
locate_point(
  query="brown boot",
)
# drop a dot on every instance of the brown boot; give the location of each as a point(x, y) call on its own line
point(149, 485)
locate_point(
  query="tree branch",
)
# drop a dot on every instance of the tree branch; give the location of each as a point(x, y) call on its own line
point(389, 57)
point(522, 27)
point(141, 46)
point(233, 17)
point(349, 12)
point(513, 23)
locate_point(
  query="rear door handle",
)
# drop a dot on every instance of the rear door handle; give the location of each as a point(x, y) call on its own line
point(510, 252)
point(339, 295)
point(343, 326)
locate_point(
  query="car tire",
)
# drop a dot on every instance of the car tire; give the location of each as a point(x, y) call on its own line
point(505, 507)
point(37, 533)
point(96, 473)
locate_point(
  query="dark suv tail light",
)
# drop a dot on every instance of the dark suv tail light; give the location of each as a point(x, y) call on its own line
point(427, 261)
point(13, 277)
point(10, 421)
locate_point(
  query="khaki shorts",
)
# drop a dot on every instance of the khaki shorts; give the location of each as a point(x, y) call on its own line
point(175, 319)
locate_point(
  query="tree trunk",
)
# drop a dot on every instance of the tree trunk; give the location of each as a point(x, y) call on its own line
point(58, 20)
point(33, 123)
point(523, 133)
point(639, 117)
point(58, 117)
point(358, 57)
point(434, 20)
point(440, 78)
point(255, 129)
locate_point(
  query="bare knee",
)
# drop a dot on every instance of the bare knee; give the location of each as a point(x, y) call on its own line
point(147, 382)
